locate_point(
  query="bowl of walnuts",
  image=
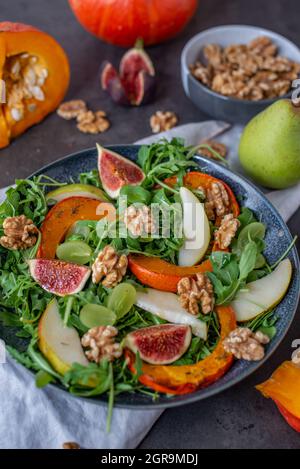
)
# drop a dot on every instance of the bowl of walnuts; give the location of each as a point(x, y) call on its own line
point(233, 72)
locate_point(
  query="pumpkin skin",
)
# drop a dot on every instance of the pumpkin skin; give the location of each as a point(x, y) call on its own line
point(122, 22)
point(17, 38)
point(184, 379)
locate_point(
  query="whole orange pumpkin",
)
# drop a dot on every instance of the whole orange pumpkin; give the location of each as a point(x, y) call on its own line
point(121, 22)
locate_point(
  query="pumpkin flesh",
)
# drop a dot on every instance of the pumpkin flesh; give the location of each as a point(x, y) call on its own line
point(23, 47)
point(183, 379)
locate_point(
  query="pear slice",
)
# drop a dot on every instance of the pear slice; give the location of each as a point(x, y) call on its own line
point(263, 294)
point(75, 190)
point(58, 343)
point(196, 229)
point(166, 306)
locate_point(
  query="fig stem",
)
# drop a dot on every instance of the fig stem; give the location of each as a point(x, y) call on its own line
point(139, 43)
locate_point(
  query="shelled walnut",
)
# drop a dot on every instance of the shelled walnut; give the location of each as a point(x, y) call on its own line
point(251, 71)
point(19, 233)
point(101, 344)
point(88, 122)
point(245, 344)
point(163, 120)
point(109, 267)
point(218, 147)
point(227, 230)
point(138, 220)
point(217, 201)
point(193, 291)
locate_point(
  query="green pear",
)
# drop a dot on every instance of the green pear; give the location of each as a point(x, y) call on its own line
point(269, 148)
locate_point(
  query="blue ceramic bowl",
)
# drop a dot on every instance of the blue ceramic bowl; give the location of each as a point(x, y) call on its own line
point(212, 103)
point(278, 239)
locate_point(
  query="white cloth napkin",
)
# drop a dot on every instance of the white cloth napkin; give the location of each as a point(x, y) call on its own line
point(33, 418)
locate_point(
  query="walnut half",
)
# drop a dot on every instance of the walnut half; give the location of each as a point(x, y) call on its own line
point(217, 201)
point(110, 266)
point(19, 233)
point(161, 121)
point(139, 221)
point(101, 344)
point(194, 291)
point(227, 230)
point(245, 344)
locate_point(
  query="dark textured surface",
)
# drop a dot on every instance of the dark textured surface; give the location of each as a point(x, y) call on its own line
point(239, 417)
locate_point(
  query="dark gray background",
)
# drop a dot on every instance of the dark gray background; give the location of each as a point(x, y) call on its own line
point(239, 417)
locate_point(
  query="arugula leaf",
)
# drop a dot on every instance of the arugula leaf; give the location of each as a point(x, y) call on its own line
point(22, 357)
point(138, 365)
point(25, 198)
point(265, 323)
point(91, 177)
point(40, 362)
point(91, 380)
point(229, 274)
point(248, 260)
point(245, 218)
point(42, 378)
point(136, 194)
point(163, 159)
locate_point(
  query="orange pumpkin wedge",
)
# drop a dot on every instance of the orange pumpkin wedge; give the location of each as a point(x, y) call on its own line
point(160, 274)
point(163, 275)
point(283, 387)
point(26, 50)
point(196, 180)
point(183, 379)
point(60, 218)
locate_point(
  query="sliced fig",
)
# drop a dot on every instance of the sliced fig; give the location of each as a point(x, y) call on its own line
point(133, 62)
point(59, 277)
point(134, 84)
point(160, 345)
point(144, 88)
point(108, 73)
point(117, 92)
point(116, 171)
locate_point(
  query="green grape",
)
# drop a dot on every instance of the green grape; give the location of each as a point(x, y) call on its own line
point(74, 251)
point(92, 315)
point(121, 299)
point(80, 229)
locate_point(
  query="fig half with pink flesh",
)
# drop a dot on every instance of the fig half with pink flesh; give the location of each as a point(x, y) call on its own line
point(59, 277)
point(135, 82)
point(115, 171)
point(144, 88)
point(160, 345)
point(108, 73)
point(133, 62)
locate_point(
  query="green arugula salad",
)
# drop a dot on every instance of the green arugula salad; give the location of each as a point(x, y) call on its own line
point(103, 286)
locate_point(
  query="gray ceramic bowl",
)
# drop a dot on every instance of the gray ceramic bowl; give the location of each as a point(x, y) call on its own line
point(214, 104)
point(278, 239)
